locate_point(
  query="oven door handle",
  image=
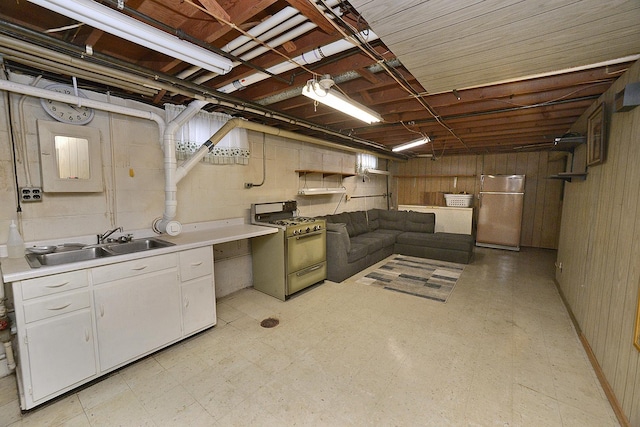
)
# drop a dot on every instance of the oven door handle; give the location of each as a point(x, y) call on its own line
point(313, 233)
point(309, 270)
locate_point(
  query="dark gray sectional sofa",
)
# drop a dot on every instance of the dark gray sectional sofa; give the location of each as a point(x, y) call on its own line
point(356, 240)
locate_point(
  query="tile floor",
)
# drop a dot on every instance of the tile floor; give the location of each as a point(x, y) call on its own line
point(501, 352)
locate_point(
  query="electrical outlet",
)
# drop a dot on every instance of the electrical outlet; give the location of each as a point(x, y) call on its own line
point(31, 194)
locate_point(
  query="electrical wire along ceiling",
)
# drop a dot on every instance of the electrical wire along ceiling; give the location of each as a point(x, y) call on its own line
point(454, 77)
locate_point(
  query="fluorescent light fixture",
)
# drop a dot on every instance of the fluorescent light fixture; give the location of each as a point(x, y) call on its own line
point(335, 99)
point(412, 144)
point(377, 171)
point(125, 27)
point(315, 191)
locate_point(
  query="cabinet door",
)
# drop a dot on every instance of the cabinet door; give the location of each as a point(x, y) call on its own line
point(198, 304)
point(61, 352)
point(136, 316)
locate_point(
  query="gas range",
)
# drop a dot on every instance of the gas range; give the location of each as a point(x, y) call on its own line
point(282, 215)
point(292, 259)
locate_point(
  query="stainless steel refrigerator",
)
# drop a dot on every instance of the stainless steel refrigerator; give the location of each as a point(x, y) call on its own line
point(501, 203)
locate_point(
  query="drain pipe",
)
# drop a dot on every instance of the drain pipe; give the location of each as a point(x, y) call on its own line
point(167, 224)
point(5, 330)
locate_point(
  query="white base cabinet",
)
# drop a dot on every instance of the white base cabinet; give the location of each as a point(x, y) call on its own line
point(136, 316)
point(197, 287)
point(74, 327)
point(61, 353)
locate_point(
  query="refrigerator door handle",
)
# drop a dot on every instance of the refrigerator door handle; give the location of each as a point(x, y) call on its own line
point(499, 192)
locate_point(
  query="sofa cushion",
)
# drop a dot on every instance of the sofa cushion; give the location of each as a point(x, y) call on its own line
point(392, 220)
point(358, 222)
point(340, 228)
point(372, 243)
point(388, 237)
point(459, 242)
point(357, 252)
point(420, 222)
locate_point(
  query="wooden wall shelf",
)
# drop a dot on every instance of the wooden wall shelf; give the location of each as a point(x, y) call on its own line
point(436, 176)
point(569, 176)
point(324, 173)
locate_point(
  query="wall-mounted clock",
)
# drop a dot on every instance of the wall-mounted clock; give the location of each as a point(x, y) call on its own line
point(67, 113)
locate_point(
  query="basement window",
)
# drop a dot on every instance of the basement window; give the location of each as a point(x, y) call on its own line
point(366, 161)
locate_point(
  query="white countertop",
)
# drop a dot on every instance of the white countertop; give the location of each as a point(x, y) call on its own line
point(193, 236)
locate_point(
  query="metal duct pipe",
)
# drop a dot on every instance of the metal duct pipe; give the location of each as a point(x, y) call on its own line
point(342, 78)
point(306, 58)
point(27, 52)
point(55, 67)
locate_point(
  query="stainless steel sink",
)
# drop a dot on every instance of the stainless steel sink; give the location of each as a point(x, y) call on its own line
point(64, 255)
point(136, 245)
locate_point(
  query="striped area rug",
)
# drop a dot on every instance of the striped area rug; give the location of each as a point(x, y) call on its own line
point(425, 278)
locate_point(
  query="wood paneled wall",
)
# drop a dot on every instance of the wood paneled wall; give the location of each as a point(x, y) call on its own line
point(415, 181)
point(599, 249)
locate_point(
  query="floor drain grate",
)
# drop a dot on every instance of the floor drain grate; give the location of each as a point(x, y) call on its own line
point(269, 322)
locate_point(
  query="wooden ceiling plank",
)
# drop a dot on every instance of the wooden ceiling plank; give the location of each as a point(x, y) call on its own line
point(216, 10)
point(314, 15)
point(240, 12)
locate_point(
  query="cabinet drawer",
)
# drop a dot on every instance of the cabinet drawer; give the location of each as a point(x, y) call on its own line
point(44, 308)
point(48, 285)
point(133, 268)
point(196, 263)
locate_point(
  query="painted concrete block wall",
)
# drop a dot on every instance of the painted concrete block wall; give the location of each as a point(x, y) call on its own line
point(133, 196)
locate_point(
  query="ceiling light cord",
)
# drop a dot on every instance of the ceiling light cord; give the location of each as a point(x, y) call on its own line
point(406, 87)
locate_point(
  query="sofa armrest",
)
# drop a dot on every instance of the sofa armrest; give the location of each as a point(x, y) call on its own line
point(338, 247)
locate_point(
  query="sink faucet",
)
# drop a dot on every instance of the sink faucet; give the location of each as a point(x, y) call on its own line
point(102, 237)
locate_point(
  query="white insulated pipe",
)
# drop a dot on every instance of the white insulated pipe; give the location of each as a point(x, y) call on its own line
point(310, 57)
point(296, 32)
point(282, 21)
point(280, 17)
point(275, 31)
point(262, 49)
point(280, 30)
